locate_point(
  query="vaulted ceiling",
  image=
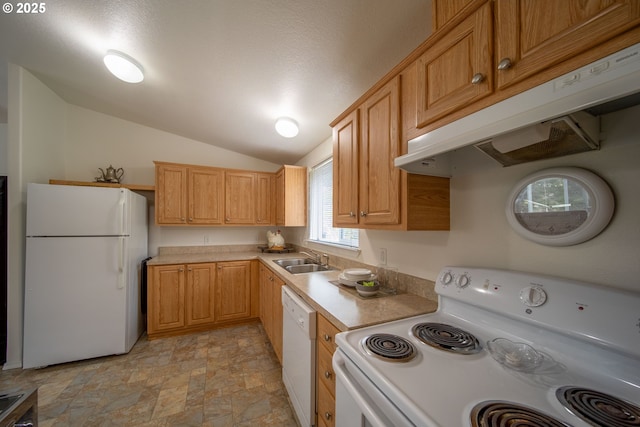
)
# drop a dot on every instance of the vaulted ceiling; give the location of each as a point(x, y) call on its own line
point(218, 71)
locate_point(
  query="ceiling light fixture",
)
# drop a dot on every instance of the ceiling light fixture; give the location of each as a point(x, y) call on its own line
point(123, 66)
point(287, 127)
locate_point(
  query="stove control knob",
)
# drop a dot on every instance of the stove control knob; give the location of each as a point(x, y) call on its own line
point(446, 278)
point(463, 281)
point(533, 296)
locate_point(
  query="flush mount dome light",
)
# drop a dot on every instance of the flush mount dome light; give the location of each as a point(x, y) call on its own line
point(287, 127)
point(123, 67)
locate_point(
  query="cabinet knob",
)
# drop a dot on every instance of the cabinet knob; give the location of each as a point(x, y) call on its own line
point(327, 337)
point(505, 64)
point(190, 219)
point(477, 78)
point(363, 213)
point(181, 269)
point(327, 415)
point(327, 374)
point(182, 219)
point(189, 269)
point(352, 214)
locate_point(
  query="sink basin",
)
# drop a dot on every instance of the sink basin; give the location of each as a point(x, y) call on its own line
point(306, 268)
point(284, 262)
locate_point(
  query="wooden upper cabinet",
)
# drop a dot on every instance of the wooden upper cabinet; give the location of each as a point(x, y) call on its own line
point(443, 11)
point(265, 200)
point(346, 139)
point(240, 198)
point(291, 196)
point(233, 291)
point(532, 35)
point(206, 186)
point(379, 194)
point(457, 69)
point(171, 194)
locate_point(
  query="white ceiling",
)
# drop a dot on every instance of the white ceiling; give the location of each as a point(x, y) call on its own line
point(218, 71)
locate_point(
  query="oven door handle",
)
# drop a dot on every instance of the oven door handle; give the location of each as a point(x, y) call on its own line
point(356, 393)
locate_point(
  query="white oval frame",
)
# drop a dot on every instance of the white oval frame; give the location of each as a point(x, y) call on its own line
point(602, 203)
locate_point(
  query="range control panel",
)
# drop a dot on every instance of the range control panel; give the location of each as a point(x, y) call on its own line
point(608, 315)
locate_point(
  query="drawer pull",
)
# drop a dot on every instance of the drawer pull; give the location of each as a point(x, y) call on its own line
point(327, 338)
point(327, 415)
point(477, 79)
point(505, 64)
point(327, 374)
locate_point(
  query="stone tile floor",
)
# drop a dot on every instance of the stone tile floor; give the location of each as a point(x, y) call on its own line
point(225, 377)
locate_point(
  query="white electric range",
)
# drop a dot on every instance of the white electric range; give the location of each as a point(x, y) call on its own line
point(511, 349)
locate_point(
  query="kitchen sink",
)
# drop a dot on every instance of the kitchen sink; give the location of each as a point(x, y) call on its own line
point(306, 268)
point(284, 262)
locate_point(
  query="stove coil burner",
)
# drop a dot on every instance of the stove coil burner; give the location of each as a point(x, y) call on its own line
point(389, 347)
point(494, 413)
point(446, 337)
point(598, 409)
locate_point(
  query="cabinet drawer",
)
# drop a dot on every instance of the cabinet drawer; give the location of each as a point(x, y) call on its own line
point(326, 407)
point(326, 333)
point(325, 373)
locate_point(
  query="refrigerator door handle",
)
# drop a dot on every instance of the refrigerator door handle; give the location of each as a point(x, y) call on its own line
point(122, 203)
point(121, 261)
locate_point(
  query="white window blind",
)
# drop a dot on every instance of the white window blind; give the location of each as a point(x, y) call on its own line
point(321, 209)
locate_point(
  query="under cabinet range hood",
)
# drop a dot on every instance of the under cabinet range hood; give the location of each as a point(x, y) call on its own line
point(556, 118)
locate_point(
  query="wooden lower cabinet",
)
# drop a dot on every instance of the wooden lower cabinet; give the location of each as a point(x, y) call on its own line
point(271, 308)
point(325, 377)
point(183, 298)
point(233, 291)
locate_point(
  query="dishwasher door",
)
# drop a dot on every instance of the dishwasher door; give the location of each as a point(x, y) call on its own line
point(299, 355)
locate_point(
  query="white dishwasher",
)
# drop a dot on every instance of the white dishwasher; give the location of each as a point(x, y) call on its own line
point(299, 355)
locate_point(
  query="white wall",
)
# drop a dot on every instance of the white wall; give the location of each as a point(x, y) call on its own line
point(35, 152)
point(96, 140)
point(481, 236)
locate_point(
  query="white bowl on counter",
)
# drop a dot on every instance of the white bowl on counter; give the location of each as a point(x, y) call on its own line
point(352, 283)
point(356, 274)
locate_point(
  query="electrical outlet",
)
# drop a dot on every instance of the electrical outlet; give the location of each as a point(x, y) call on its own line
point(206, 239)
point(383, 256)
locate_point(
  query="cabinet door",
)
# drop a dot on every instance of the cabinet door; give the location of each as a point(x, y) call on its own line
point(233, 291)
point(200, 292)
point(171, 194)
point(456, 70)
point(265, 198)
point(206, 189)
point(280, 195)
point(239, 198)
point(276, 306)
point(345, 171)
point(266, 301)
point(442, 11)
point(165, 298)
point(536, 34)
point(380, 144)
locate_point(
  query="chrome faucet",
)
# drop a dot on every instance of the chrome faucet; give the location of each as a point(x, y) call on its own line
point(314, 255)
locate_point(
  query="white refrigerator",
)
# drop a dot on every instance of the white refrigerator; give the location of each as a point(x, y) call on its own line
point(84, 246)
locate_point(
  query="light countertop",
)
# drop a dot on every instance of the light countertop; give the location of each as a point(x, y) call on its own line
point(339, 304)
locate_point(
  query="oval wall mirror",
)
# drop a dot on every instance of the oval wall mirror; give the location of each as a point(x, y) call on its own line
point(560, 206)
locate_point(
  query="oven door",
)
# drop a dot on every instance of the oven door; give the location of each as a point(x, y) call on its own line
point(358, 401)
